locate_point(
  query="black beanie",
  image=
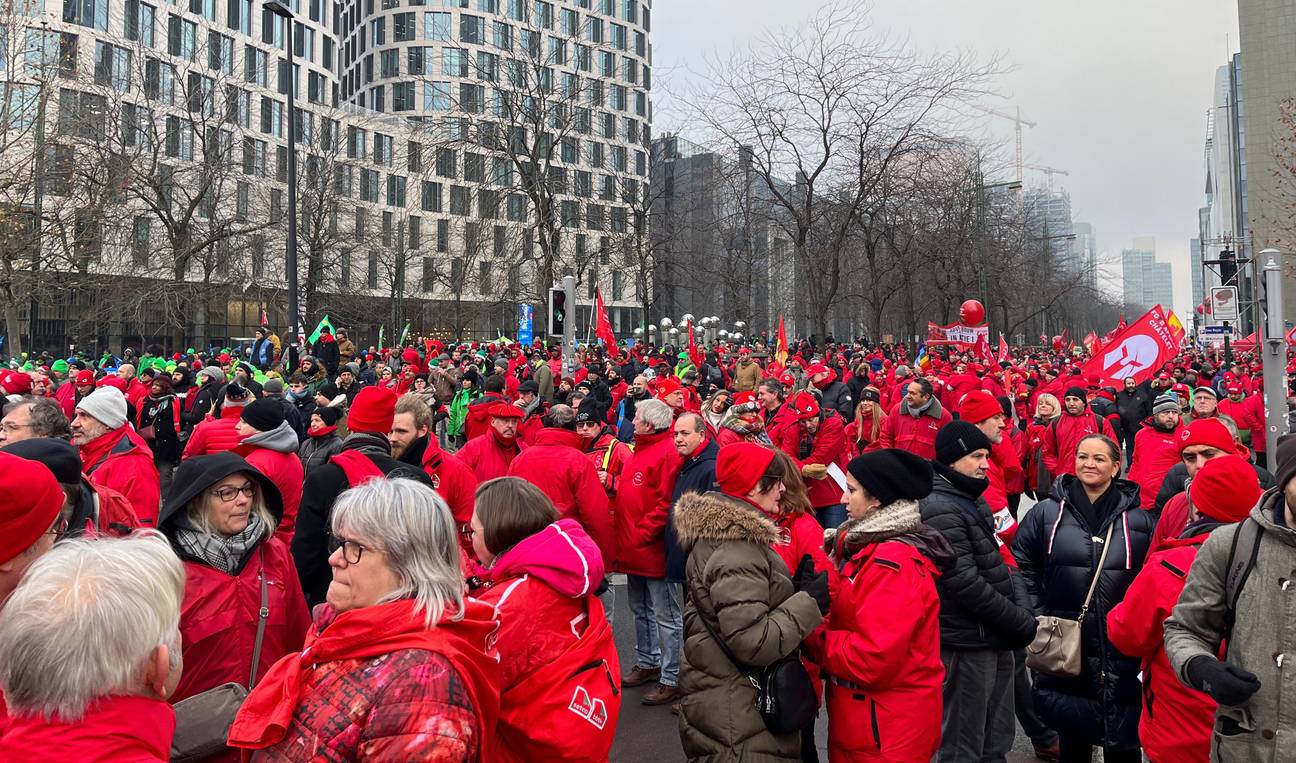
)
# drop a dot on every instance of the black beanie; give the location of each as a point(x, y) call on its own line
point(1285, 461)
point(59, 456)
point(892, 474)
point(957, 439)
point(328, 415)
point(591, 410)
point(1078, 392)
point(263, 414)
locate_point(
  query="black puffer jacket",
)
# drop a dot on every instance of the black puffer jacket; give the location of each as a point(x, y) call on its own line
point(837, 396)
point(978, 607)
point(1057, 554)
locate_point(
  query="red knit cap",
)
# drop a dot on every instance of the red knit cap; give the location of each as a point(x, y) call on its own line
point(84, 377)
point(506, 411)
point(1211, 432)
point(745, 396)
point(739, 467)
point(1226, 488)
point(978, 406)
point(17, 383)
point(667, 386)
point(30, 499)
point(804, 406)
point(373, 410)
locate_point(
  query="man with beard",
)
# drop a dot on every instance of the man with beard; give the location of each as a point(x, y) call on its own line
point(412, 443)
point(834, 395)
point(113, 455)
point(490, 455)
point(1156, 448)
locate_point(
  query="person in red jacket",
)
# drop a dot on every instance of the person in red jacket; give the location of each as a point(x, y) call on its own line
point(880, 653)
point(70, 394)
point(216, 433)
point(642, 507)
point(1199, 443)
point(1247, 411)
point(414, 443)
point(478, 420)
point(555, 464)
point(913, 423)
point(1156, 448)
point(554, 641)
point(89, 509)
point(270, 444)
point(1061, 438)
point(816, 443)
point(220, 518)
point(489, 457)
point(113, 454)
point(601, 446)
point(1177, 720)
point(118, 598)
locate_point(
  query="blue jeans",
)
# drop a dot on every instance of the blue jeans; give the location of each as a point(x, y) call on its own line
point(659, 625)
point(831, 517)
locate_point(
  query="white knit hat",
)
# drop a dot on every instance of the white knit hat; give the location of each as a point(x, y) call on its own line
point(106, 404)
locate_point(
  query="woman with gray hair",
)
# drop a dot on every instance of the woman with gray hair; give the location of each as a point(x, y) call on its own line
point(398, 664)
point(90, 651)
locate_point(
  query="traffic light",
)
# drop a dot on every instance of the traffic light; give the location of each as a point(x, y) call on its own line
point(557, 311)
point(1228, 267)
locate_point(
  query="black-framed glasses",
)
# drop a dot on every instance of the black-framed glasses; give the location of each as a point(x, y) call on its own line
point(59, 528)
point(351, 550)
point(467, 532)
point(229, 492)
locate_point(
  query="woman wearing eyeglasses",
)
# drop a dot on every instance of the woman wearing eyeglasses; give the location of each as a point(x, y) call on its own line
point(220, 517)
point(398, 665)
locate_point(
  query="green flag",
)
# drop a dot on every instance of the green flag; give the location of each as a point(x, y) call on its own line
point(381, 329)
point(323, 324)
point(404, 334)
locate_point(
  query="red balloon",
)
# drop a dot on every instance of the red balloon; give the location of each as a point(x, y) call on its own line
point(972, 313)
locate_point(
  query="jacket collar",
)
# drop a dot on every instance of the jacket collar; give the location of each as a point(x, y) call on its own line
point(720, 517)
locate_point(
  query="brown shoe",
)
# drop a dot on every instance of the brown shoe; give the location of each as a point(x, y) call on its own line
point(1049, 752)
point(640, 676)
point(675, 709)
point(662, 695)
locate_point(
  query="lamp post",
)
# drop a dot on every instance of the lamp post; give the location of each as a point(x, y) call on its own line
point(290, 253)
point(1274, 358)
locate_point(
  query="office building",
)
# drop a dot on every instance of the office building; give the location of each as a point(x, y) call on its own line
point(1146, 282)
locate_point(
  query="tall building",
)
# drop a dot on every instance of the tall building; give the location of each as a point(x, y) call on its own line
point(1195, 263)
point(453, 158)
point(1146, 281)
point(1086, 249)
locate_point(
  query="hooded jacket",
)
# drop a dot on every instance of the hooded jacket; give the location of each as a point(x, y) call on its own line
point(741, 586)
point(122, 461)
point(555, 464)
point(1056, 551)
point(1155, 454)
point(916, 434)
point(978, 605)
point(274, 453)
point(451, 478)
point(1260, 638)
point(542, 590)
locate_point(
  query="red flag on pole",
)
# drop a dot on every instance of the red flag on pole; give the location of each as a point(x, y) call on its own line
point(1003, 349)
point(1137, 352)
point(781, 347)
point(603, 327)
point(695, 354)
point(1091, 343)
point(983, 349)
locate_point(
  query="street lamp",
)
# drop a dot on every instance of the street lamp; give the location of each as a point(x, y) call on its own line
point(290, 254)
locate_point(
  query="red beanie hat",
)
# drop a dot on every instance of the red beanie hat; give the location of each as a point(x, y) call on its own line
point(1210, 432)
point(978, 406)
point(506, 411)
point(84, 377)
point(740, 466)
point(745, 396)
point(373, 410)
point(804, 406)
point(1226, 488)
point(667, 386)
point(30, 499)
point(17, 383)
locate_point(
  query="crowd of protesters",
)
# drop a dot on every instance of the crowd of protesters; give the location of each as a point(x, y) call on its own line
point(407, 553)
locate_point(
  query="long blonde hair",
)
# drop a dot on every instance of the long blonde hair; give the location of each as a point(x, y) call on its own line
point(876, 417)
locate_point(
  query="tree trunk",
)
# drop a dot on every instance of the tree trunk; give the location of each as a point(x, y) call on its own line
point(13, 329)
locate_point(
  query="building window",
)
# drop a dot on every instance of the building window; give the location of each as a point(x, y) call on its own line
point(436, 27)
point(403, 27)
point(415, 233)
point(460, 200)
point(138, 26)
point(258, 256)
point(395, 190)
point(87, 13)
point(446, 163)
point(140, 250)
point(372, 276)
point(454, 62)
point(443, 235)
point(431, 197)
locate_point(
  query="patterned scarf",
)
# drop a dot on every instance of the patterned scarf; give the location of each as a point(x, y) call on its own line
point(217, 551)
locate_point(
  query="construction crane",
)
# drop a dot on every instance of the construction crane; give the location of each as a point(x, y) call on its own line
point(1018, 121)
point(1050, 171)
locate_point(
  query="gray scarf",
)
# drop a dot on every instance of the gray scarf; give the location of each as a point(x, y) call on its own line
point(217, 551)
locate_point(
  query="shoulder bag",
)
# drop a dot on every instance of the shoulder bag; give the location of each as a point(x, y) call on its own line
point(1057, 644)
point(203, 721)
point(785, 697)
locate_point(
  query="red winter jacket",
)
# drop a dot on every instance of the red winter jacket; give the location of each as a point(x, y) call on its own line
point(285, 470)
point(1173, 520)
point(1004, 468)
point(214, 435)
point(1016, 481)
point(609, 456)
point(218, 618)
point(881, 657)
point(115, 729)
point(454, 481)
point(643, 503)
point(826, 446)
point(1250, 418)
point(556, 465)
point(1155, 454)
point(916, 435)
point(115, 515)
point(530, 426)
point(553, 629)
point(477, 421)
point(1177, 721)
point(488, 456)
point(1061, 439)
point(122, 461)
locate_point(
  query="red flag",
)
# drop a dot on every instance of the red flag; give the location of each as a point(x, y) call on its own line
point(1137, 352)
point(1091, 343)
point(695, 354)
point(781, 347)
point(983, 349)
point(1003, 349)
point(603, 327)
point(265, 320)
point(1066, 336)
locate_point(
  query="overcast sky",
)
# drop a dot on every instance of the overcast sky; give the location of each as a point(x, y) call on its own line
point(1119, 89)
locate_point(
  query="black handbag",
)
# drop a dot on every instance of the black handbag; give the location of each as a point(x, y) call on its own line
point(785, 696)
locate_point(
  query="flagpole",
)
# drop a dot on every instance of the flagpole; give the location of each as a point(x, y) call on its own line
point(589, 327)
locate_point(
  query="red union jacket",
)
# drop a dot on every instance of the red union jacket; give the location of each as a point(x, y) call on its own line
point(881, 657)
point(116, 729)
point(1061, 439)
point(1176, 722)
point(916, 435)
point(643, 503)
point(828, 446)
point(561, 694)
point(556, 465)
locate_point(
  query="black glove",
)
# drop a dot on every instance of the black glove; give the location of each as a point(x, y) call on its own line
point(1226, 684)
point(804, 572)
point(806, 580)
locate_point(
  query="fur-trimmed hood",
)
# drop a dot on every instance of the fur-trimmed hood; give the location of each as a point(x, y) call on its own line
point(719, 517)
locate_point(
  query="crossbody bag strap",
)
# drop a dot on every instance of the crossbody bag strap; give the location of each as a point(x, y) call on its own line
point(1093, 584)
point(719, 641)
point(262, 615)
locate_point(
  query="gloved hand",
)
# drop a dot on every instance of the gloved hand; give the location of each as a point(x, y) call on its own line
point(1226, 684)
point(814, 471)
point(816, 585)
point(804, 572)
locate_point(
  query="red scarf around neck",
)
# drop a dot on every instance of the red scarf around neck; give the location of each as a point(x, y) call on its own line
point(97, 449)
point(468, 643)
point(321, 431)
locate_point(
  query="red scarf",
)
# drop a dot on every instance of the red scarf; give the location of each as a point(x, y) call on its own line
point(369, 632)
point(99, 448)
point(321, 431)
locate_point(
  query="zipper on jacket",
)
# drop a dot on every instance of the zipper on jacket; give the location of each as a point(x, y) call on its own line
point(877, 735)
